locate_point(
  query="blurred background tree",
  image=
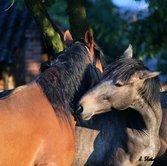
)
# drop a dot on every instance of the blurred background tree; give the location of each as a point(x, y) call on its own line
point(115, 27)
point(152, 29)
point(150, 34)
point(140, 22)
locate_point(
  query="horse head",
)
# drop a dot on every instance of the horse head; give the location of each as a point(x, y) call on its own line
point(121, 85)
point(94, 61)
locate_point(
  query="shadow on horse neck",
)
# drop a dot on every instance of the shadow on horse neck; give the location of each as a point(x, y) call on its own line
point(106, 134)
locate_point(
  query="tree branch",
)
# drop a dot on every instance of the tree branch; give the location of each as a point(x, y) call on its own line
point(51, 34)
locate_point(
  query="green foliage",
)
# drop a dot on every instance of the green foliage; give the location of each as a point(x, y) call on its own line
point(150, 34)
point(58, 11)
point(110, 29)
point(113, 32)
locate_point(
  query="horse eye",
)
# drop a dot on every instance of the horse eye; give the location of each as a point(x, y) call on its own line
point(118, 84)
point(106, 98)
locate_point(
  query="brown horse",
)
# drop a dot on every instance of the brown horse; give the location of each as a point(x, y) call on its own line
point(135, 131)
point(36, 122)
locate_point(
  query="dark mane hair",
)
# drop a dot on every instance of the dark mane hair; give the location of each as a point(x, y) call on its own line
point(99, 56)
point(62, 79)
point(123, 69)
point(98, 53)
point(91, 77)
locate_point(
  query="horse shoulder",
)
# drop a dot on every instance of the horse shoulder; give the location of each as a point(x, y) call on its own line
point(27, 119)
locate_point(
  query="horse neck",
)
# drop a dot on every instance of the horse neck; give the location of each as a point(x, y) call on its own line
point(61, 81)
point(152, 114)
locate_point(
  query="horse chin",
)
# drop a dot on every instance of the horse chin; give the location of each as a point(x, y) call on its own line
point(87, 116)
point(104, 111)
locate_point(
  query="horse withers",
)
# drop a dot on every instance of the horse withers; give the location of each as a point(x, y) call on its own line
point(36, 122)
point(130, 87)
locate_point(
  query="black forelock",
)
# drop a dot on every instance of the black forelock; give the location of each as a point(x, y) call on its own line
point(123, 69)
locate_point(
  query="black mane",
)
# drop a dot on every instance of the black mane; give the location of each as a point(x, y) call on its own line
point(63, 78)
point(91, 76)
point(123, 69)
point(98, 56)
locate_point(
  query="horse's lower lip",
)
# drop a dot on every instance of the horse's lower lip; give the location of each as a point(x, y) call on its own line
point(86, 117)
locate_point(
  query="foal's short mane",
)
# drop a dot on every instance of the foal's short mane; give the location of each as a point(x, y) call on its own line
point(124, 68)
point(62, 79)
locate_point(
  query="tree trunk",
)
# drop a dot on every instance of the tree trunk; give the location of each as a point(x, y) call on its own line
point(77, 18)
point(51, 34)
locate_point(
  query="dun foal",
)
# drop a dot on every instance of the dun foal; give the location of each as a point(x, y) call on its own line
point(128, 83)
point(36, 122)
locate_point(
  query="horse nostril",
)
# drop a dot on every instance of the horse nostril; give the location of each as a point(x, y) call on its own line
point(79, 110)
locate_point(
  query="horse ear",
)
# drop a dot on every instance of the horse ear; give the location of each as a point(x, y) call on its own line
point(89, 41)
point(89, 37)
point(128, 52)
point(148, 74)
point(163, 88)
point(68, 37)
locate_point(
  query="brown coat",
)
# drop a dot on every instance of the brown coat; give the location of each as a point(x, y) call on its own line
point(31, 133)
